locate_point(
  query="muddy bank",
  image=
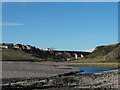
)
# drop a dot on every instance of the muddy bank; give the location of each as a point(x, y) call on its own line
point(105, 80)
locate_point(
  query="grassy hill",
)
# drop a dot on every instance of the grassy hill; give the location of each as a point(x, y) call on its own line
point(10, 54)
point(105, 53)
point(114, 54)
point(103, 50)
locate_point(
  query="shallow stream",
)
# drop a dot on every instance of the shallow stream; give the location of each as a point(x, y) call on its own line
point(94, 69)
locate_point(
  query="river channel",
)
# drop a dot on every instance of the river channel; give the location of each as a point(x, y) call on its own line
point(88, 70)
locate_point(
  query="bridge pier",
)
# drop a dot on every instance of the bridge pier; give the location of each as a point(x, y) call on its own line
point(76, 56)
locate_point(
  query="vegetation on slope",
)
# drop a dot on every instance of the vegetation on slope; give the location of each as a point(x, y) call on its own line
point(106, 54)
point(10, 54)
point(103, 50)
point(115, 54)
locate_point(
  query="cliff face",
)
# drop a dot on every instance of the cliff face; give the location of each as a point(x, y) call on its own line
point(107, 52)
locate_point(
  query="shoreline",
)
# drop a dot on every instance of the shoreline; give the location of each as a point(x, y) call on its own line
point(111, 65)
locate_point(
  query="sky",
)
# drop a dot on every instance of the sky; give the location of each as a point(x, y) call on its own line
point(60, 0)
point(61, 25)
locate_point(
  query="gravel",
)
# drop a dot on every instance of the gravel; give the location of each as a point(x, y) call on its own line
point(108, 80)
point(25, 70)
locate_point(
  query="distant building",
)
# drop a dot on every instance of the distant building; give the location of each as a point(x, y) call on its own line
point(18, 46)
point(28, 47)
point(6, 45)
point(49, 49)
point(3, 47)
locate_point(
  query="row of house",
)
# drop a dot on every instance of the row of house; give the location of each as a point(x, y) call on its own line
point(16, 46)
point(6, 45)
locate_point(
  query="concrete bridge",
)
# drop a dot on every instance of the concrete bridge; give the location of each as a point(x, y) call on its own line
point(69, 54)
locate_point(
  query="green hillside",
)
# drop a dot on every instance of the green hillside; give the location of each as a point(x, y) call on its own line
point(103, 50)
point(10, 54)
point(105, 53)
point(114, 54)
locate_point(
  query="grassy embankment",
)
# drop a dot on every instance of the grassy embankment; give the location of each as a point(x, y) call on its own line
point(96, 62)
point(9, 54)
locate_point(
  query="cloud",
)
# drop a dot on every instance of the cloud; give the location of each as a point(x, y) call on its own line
point(11, 24)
